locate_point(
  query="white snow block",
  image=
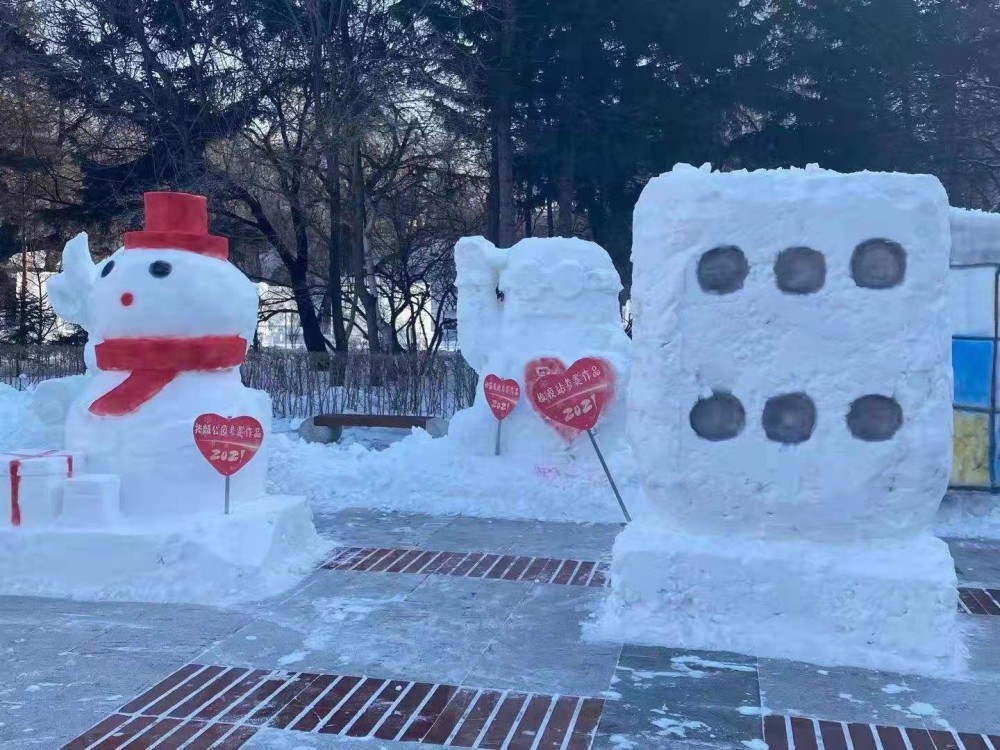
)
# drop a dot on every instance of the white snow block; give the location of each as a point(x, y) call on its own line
point(975, 236)
point(263, 548)
point(31, 482)
point(91, 500)
point(889, 606)
point(791, 385)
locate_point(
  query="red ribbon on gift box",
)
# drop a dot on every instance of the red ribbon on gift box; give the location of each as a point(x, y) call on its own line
point(15, 479)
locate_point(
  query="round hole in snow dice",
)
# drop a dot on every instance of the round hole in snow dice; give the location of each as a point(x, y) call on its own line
point(875, 418)
point(719, 417)
point(800, 270)
point(878, 264)
point(790, 418)
point(722, 270)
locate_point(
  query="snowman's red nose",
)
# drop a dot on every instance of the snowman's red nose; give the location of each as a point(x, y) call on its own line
point(127, 299)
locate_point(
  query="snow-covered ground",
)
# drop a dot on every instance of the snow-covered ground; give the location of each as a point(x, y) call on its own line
point(392, 470)
point(419, 473)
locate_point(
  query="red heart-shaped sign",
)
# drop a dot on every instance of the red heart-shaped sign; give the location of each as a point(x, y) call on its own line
point(575, 398)
point(227, 444)
point(501, 394)
point(535, 369)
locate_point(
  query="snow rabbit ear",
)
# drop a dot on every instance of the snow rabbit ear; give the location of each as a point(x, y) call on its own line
point(68, 291)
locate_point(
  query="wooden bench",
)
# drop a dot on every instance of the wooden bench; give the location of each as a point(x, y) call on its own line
point(404, 422)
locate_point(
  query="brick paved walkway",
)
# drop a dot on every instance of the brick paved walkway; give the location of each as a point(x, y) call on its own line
point(423, 631)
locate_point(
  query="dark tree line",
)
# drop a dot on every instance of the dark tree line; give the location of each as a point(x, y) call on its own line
point(346, 144)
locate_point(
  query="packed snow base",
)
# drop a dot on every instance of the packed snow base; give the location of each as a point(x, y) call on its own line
point(790, 412)
point(886, 606)
point(262, 548)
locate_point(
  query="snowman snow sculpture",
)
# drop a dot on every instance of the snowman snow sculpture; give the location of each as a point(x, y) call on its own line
point(169, 321)
point(542, 298)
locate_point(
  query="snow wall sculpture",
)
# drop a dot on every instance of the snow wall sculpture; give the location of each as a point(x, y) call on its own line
point(552, 297)
point(790, 410)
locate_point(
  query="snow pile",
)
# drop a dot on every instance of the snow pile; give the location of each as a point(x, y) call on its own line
point(968, 514)
point(19, 427)
point(790, 411)
point(422, 474)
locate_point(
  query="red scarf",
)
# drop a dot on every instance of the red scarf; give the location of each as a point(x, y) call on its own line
point(154, 362)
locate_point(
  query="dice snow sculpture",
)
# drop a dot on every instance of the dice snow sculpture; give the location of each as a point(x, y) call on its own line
point(542, 298)
point(790, 412)
point(169, 320)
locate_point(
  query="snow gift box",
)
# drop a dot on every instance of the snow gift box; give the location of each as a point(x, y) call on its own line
point(32, 490)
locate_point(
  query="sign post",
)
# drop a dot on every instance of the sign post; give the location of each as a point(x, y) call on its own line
point(502, 396)
point(571, 401)
point(611, 479)
point(227, 443)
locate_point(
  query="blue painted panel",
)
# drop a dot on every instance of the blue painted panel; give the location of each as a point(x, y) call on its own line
point(972, 360)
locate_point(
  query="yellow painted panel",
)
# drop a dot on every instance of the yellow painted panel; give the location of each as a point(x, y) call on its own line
point(971, 447)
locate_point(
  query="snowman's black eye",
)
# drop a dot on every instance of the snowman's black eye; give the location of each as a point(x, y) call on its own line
point(159, 268)
point(107, 268)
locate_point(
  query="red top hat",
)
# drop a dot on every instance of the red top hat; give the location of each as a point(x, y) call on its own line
point(177, 221)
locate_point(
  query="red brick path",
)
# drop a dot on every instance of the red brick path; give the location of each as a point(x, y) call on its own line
point(787, 732)
point(201, 707)
point(979, 602)
point(471, 565)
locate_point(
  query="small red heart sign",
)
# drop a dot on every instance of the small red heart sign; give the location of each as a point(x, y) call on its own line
point(501, 394)
point(575, 398)
point(227, 444)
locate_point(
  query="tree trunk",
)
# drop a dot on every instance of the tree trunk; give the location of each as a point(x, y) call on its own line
point(493, 194)
point(364, 278)
point(312, 333)
point(335, 270)
point(566, 188)
point(506, 208)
